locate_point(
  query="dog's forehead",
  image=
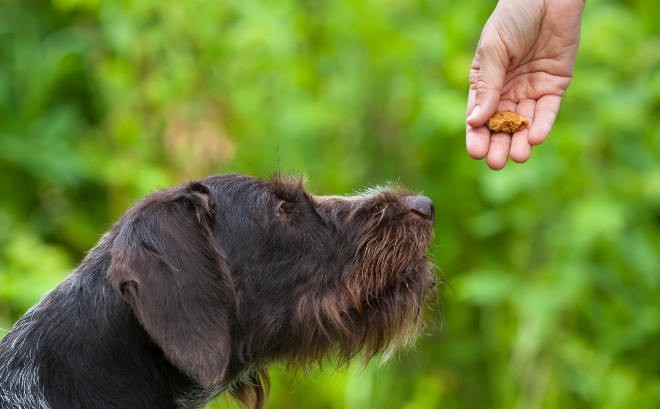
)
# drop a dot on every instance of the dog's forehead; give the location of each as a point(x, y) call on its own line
point(238, 181)
point(257, 191)
point(292, 187)
point(233, 182)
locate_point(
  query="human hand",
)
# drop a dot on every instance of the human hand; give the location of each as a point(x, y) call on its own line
point(524, 63)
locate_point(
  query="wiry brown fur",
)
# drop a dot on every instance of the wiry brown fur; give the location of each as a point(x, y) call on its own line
point(199, 287)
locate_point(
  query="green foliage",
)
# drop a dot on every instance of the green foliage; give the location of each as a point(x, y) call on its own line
point(554, 265)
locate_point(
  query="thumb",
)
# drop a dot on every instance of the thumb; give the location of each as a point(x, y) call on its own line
point(488, 73)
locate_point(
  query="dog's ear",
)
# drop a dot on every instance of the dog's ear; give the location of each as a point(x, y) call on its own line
point(169, 267)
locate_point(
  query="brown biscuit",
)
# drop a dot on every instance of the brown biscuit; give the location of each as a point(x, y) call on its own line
point(507, 121)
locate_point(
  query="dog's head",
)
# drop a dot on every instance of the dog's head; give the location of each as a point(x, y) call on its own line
point(233, 271)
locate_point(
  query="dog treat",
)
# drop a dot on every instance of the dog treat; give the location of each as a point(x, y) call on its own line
point(507, 121)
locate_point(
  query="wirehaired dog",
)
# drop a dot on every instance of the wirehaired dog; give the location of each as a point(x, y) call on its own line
point(200, 286)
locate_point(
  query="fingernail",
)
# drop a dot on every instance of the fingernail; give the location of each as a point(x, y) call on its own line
point(475, 113)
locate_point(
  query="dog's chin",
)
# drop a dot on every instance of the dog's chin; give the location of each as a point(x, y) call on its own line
point(418, 268)
point(393, 316)
point(412, 284)
point(352, 322)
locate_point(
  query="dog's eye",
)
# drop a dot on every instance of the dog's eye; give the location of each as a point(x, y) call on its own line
point(280, 212)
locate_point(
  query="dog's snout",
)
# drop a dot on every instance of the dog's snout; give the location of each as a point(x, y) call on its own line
point(421, 206)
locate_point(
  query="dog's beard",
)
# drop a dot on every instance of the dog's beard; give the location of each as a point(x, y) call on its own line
point(379, 304)
point(388, 287)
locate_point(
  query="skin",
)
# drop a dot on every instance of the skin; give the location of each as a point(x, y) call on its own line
point(524, 62)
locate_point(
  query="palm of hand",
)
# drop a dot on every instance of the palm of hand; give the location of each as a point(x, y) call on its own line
point(524, 63)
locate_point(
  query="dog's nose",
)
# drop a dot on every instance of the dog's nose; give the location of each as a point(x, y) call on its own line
point(421, 206)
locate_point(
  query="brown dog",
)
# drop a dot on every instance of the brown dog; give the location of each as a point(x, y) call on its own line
point(198, 287)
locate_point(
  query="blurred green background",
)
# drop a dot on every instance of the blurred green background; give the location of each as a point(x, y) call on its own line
point(554, 265)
